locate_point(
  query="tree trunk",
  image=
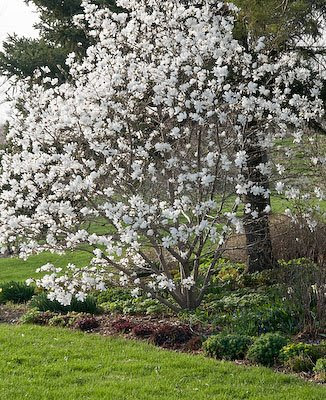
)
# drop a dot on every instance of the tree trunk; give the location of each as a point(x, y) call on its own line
point(257, 228)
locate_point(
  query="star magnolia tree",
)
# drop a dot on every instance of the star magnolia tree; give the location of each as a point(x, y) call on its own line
point(149, 140)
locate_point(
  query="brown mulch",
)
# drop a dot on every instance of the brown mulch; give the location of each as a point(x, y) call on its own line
point(11, 314)
point(152, 320)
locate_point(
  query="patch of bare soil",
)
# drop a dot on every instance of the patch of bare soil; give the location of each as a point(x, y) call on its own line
point(11, 314)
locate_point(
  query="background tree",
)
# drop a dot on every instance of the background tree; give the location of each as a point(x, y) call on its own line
point(59, 36)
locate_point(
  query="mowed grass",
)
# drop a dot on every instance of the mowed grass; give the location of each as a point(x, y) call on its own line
point(17, 269)
point(52, 363)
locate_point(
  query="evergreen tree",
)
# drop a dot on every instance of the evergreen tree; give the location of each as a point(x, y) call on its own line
point(58, 37)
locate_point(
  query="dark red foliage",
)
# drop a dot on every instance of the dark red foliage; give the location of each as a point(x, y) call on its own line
point(122, 325)
point(143, 331)
point(87, 323)
point(168, 335)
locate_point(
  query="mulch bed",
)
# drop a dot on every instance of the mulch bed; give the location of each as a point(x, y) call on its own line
point(107, 326)
point(11, 314)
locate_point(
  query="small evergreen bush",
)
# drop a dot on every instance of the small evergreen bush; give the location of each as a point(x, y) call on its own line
point(266, 349)
point(229, 347)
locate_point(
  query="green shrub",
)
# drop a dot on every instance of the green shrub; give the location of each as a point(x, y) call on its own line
point(229, 347)
point(266, 349)
point(16, 292)
point(42, 303)
point(320, 369)
point(300, 363)
point(313, 351)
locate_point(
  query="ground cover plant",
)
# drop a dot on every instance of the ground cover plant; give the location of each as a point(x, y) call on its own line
point(51, 363)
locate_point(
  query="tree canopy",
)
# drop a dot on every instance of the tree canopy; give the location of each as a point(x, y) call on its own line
point(153, 136)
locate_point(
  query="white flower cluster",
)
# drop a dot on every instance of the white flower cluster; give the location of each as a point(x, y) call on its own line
point(75, 282)
point(150, 138)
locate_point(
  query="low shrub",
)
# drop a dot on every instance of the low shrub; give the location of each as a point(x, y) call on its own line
point(143, 331)
point(266, 349)
point(122, 325)
point(86, 323)
point(300, 363)
point(42, 303)
point(168, 335)
point(313, 351)
point(16, 292)
point(320, 369)
point(229, 347)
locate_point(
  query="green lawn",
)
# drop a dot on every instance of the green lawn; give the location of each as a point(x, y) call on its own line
point(52, 363)
point(20, 270)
